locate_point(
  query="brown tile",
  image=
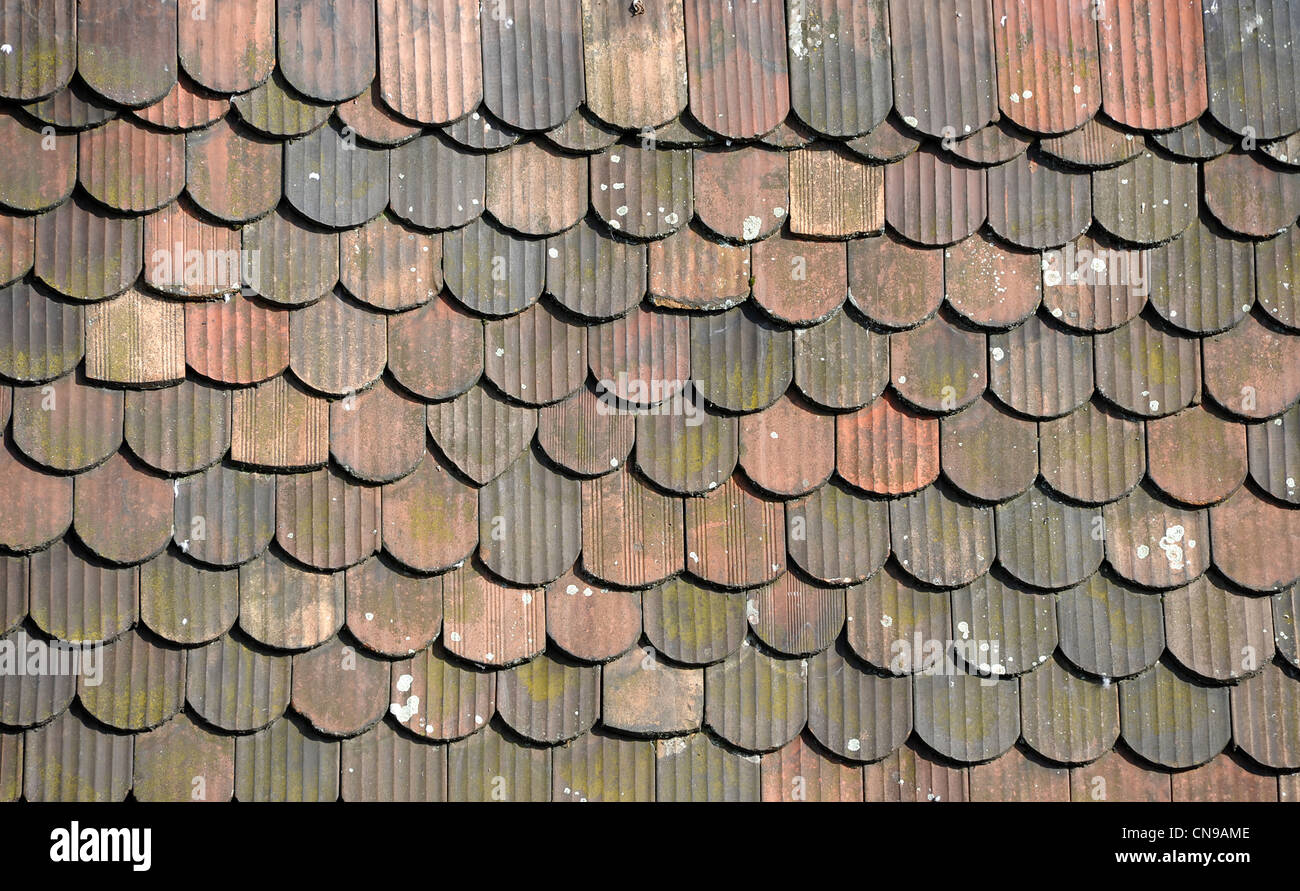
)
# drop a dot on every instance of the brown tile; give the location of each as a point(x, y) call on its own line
point(389, 612)
point(135, 339)
point(754, 701)
point(68, 424)
point(203, 45)
point(1266, 718)
point(987, 452)
point(41, 339)
point(1094, 454)
point(337, 347)
point(183, 761)
point(492, 767)
point(1196, 457)
point(536, 190)
point(286, 607)
point(741, 362)
point(1046, 542)
point(64, 237)
point(1225, 779)
point(536, 356)
point(1152, 63)
point(1217, 633)
point(236, 341)
point(1274, 451)
point(1154, 543)
point(795, 617)
point(1205, 283)
point(1251, 536)
point(1147, 200)
point(1200, 140)
point(128, 167)
point(442, 371)
point(48, 178)
point(286, 762)
point(645, 696)
point(339, 690)
point(481, 433)
point(1002, 628)
point(14, 578)
point(334, 180)
point(799, 281)
point(1193, 725)
point(178, 429)
point(235, 685)
point(233, 173)
point(1146, 370)
point(389, 266)
point(1250, 198)
point(279, 424)
point(143, 684)
point(953, 97)
point(886, 448)
point(997, 143)
point(632, 534)
point(738, 60)
point(440, 39)
point(186, 603)
point(741, 194)
point(594, 275)
point(598, 767)
point(1093, 285)
point(694, 625)
point(688, 271)
point(586, 434)
point(224, 516)
point(488, 623)
point(841, 363)
point(277, 109)
point(532, 62)
point(590, 622)
point(582, 133)
point(1047, 61)
point(324, 520)
point(549, 701)
point(966, 718)
point(127, 52)
point(1034, 203)
point(1108, 628)
point(1244, 65)
point(1017, 776)
point(517, 540)
point(1278, 261)
point(800, 772)
point(28, 700)
point(990, 285)
point(371, 118)
point(190, 257)
point(840, 72)
point(687, 454)
point(635, 63)
point(1098, 143)
point(383, 765)
point(70, 759)
point(429, 518)
point(297, 261)
point(938, 367)
point(17, 246)
point(910, 774)
point(1065, 717)
point(492, 272)
point(377, 435)
point(890, 140)
point(643, 357)
point(76, 597)
point(435, 697)
point(895, 284)
point(931, 201)
point(118, 489)
point(856, 714)
point(1286, 607)
point(940, 540)
point(482, 132)
point(435, 185)
point(1119, 776)
point(43, 60)
point(787, 449)
point(327, 50)
point(1252, 370)
point(837, 536)
point(734, 538)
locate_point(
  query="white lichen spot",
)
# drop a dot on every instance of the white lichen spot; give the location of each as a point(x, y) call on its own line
point(404, 683)
point(750, 228)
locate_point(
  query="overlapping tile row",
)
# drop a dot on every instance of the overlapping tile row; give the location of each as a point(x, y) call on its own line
point(549, 401)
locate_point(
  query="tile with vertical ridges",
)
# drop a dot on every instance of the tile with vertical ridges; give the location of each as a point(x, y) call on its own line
point(169, 759)
point(117, 489)
point(435, 185)
point(135, 339)
point(688, 452)
point(1201, 140)
point(126, 51)
point(129, 167)
point(1193, 726)
point(17, 246)
point(1147, 200)
point(536, 356)
point(601, 767)
point(583, 133)
point(1019, 776)
point(14, 579)
point(76, 597)
point(1096, 284)
point(594, 275)
point(549, 701)
point(1048, 543)
point(297, 260)
point(326, 521)
point(47, 499)
point(1250, 197)
point(692, 624)
point(48, 178)
point(1153, 543)
point(841, 363)
point(1273, 449)
point(180, 429)
point(734, 538)
point(286, 762)
point(530, 523)
point(1266, 717)
point(489, 623)
point(71, 759)
point(1195, 456)
point(369, 117)
point(42, 58)
point(41, 339)
point(887, 449)
point(1251, 539)
point(736, 65)
point(643, 191)
point(340, 691)
point(987, 452)
point(944, 66)
point(435, 350)
point(389, 266)
point(755, 701)
point(966, 718)
point(642, 696)
point(224, 516)
point(643, 357)
point(377, 435)
point(430, 64)
point(741, 361)
point(1152, 63)
point(64, 237)
point(909, 774)
point(279, 424)
point(286, 607)
point(1216, 632)
point(186, 107)
point(490, 766)
point(1002, 628)
point(232, 173)
point(1067, 718)
point(1228, 777)
point(142, 683)
point(190, 257)
point(491, 271)
point(383, 765)
point(436, 698)
point(327, 47)
point(275, 108)
point(895, 626)
point(390, 612)
point(332, 179)
point(632, 534)
point(1098, 143)
point(236, 685)
point(585, 433)
point(533, 61)
point(787, 449)
point(635, 64)
point(840, 71)
point(1252, 78)
point(31, 699)
point(941, 540)
point(931, 201)
point(837, 536)
point(430, 518)
point(535, 189)
point(590, 622)
point(67, 424)
point(186, 603)
point(337, 347)
point(1093, 455)
point(795, 617)
point(688, 271)
point(203, 44)
point(1110, 629)
point(895, 284)
point(858, 714)
point(481, 433)
point(997, 143)
point(1204, 282)
point(1047, 64)
point(1147, 370)
point(480, 132)
point(1035, 203)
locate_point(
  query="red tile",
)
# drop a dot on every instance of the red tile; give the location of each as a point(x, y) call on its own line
point(1035, 204)
point(987, 452)
point(938, 367)
point(585, 434)
point(288, 608)
point(1252, 370)
point(594, 275)
point(738, 60)
point(1094, 455)
point(694, 625)
point(532, 61)
point(644, 696)
point(931, 201)
point(327, 49)
point(787, 449)
point(944, 67)
point(582, 133)
point(324, 520)
point(688, 271)
point(989, 285)
point(1093, 285)
point(338, 689)
point(442, 372)
point(1017, 776)
point(183, 761)
point(536, 357)
point(50, 177)
point(799, 281)
point(482, 132)
point(895, 284)
point(128, 167)
point(378, 434)
point(796, 617)
point(187, 603)
point(234, 685)
point(480, 433)
point(631, 353)
point(1047, 57)
point(1251, 541)
point(1196, 457)
point(1147, 371)
point(67, 424)
point(232, 173)
point(76, 107)
point(440, 39)
point(436, 698)
point(279, 424)
point(190, 257)
point(688, 454)
point(224, 516)
point(1153, 543)
point(535, 189)
point(336, 347)
point(733, 538)
point(590, 622)
point(117, 489)
point(369, 117)
point(754, 701)
point(890, 140)
point(1250, 198)
point(1119, 776)
point(429, 518)
point(1098, 143)
point(841, 363)
point(635, 64)
point(488, 623)
point(910, 774)
point(632, 534)
point(14, 578)
point(17, 246)
point(492, 272)
point(887, 449)
point(518, 539)
point(434, 184)
point(940, 540)
point(1200, 140)
point(1224, 779)
point(127, 52)
point(43, 59)
point(389, 266)
point(1152, 63)
point(187, 106)
point(117, 331)
point(203, 45)
point(389, 612)
point(1273, 453)
point(741, 194)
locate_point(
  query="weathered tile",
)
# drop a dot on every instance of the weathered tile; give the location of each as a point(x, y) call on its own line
point(736, 64)
point(389, 612)
point(224, 516)
point(42, 57)
point(941, 540)
point(286, 607)
point(340, 691)
point(117, 489)
point(203, 44)
point(1193, 724)
point(488, 623)
point(129, 167)
point(856, 714)
point(337, 347)
point(549, 701)
point(142, 683)
point(799, 281)
point(632, 534)
point(430, 63)
point(1216, 632)
point(126, 51)
point(1108, 628)
point(1046, 542)
point(938, 367)
point(530, 523)
point(1067, 718)
point(930, 200)
point(1195, 456)
point(327, 48)
point(278, 424)
point(755, 701)
point(429, 518)
point(334, 180)
point(1152, 63)
point(377, 435)
point(944, 65)
point(599, 767)
point(235, 685)
point(71, 759)
point(383, 765)
point(186, 603)
point(840, 67)
point(76, 597)
point(534, 189)
point(694, 625)
point(886, 448)
point(1094, 454)
point(1047, 64)
point(734, 538)
point(966, 718)
point(286, 762)
point(591, 622)
point(1154, 543)
point(135, 339)
point(643, 696)
point(1250, 537)
point(183, 761)
point(435, 350)
point(435, 697)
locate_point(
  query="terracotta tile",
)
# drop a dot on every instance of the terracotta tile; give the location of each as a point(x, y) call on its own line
point(1152, 63)
point(1204, 282)
point(688, 271)
point(1288, 787)
point(1048, 543)
point(135, 339)
point(585, 434)
point(41, 339)
point(966, 718)
point(1251, 82)
point(1265, 718)
point(440, 40)
point(370, 117)
point(741, 361)
point(732, 519)
point(1250, 198)
point(1194, 720)
point(383, 765)
point(518, 539)
point(116, 489)
point(1147, 200)
point(798, 281)
point(183, 761)
point(837, 536)
point(435, 185)
point(1119, 776)
point(643, 357)
point(1274, 452)
point(1108, 628)
point(940, 540)
point(840, 72)
point(233, 173)
point(1018, 776)
point(68, 424)
point(339, 690)
point(17, 246)
point(635, 63)
point(738, 61)
point(987, 452)
point(694, 625)
point(1217, 633)
point(128, 167)
point(796, 617)
point(893, 283)
point(327, 50)
point(1044, 52)
point(279, 424)
point(235, 685)
point(488, 623)
point(1065, 717)
point(43, 60)
point(288, 608)
point(337, 347)
point(377, 435)
point(389, 266)
point(1224, 779)
point(70, 759)
point(598, 767)
point(286, 762)
point(28, 700)
point(1154, 543)
point(524, 43)
point(457, 701)
point(389, 612)
point(429, 518)
point(1196, 457)
point(1286, 608)
point(334, 180)
point(236, 341)
point(14, 577)
point(535, 189)
point(480, 433)
point(203, 45)
point(989, 285)
point(1200, 140)
point(741, 194)
point(954, 96)
point(324, 520)
point(549, 701)
point(536, 356)
point(910, 774)
point(1035, 203)
point(754, 701)
point(932, 201)
point(632, 534)
point(1093, 285)
point(1276, 259)
point(48, 178)
point(143, 683)
point(841, 363)
point(1001, 627)
point(224, 516)
point(591, 622)
point(1250, 537)
point(1146, 370)
point(687, 454)
point(1093, 455)
point(997, 143)
point(887, 449)
point(492, 272)
point(297, 261)
point(435, 350)
point(891, 140)
point(178, 429)
point(481, 132)
point(1252, 370)
point(582, 133)
point(190, 257)
point(1097, 144)
point(938, 367)
point(856, 714)
point(787, 449)
point(594, 275)
point(64, 238)
point(644, 696)
point(127, 52)
point(492, 767)
point(76, 597)
point(186, 603)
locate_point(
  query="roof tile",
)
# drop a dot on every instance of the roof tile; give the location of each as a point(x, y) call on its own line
point(28, 700)
point(692, 624)
point(283, 606)
point(1216, 632)
point(336, 347)
point(1266, 717)
point(1200, 140)
point(642, 191)
point(369, 117)
point(489, 623)
point(519, 542)
point(63, 241)
point(491, 271)
point(1147, 200)
point(590, 622)
point(1119, 776)
point(964, 534)
point(430, 64)
point(548, 701)
point(14, 580)
point(1153, 543)
point(1001, 628)
point(1196, 456)
point(642, 357)
point(1093, 454)
point(594, 275)
point(889, 617)
point(1278, 262)
point(1047, 64)
point(1274, 452)
point(377, 435)
point(389, 612)
point(837, 536)
point(1152, 63)
point(856, 714)
point(532, 61)
point(1251, 538)
point(490, 766)
point(944, 66)
point(689, 452)
point(481, 132)
point(42, 60)
point(840, 71)
point(886, 448)
point(435, 185)
point(1194, 720)
point(383, 765)
point(601, 767)
point(224, 516)
point(796, 617)
point(170, 759)
point(1226, 778)
point(833, 195)
point(989, 285)
point(841, 363)
point(967, 718)
point(276, 108)
point(71, 759)
point(536, 356)
point(324, 520)
point(799, 281)
point(932, 201)
point(1034, 203)
point(332, 179)
point(909, 774)
point(203, 45)
point(890, 140)
point(429, 517)
point(755, 701)
point(236, 685)
point(741, 194)
point(49, 178)
point(633, 535)
point(1147, 371)
point(1067, 718)
point(17, 246)
point(635, 63)
point(135, 339)
point(1094, 285)
point(76, 597)
point(186, 603)
point(279, 424)
point(327, 49)
point(893, 283)
point(1019, 776)
point(997, 143)
point(1204, 282)
point(339, 690)
point(1108, 628)
point(481, 433)
point(41, 339)
point(737, 57)
point(117, 489)
point(286, 762)
point(129, 167)
point(127, 52)
point(535, 189)
point(435, 697)
point(939, 366)
point(733, 538)
point(787, 449)
point(143, 684)
point(189, 256)
point(1252, 370)
point(1271, 195)
point(443, 372)
point(799, 771)
point(643, 696)
point(987, 452)
point(67, 424)
point(1252, 79)
point(232, 173)
point(688, 271)
point(1046, 542)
